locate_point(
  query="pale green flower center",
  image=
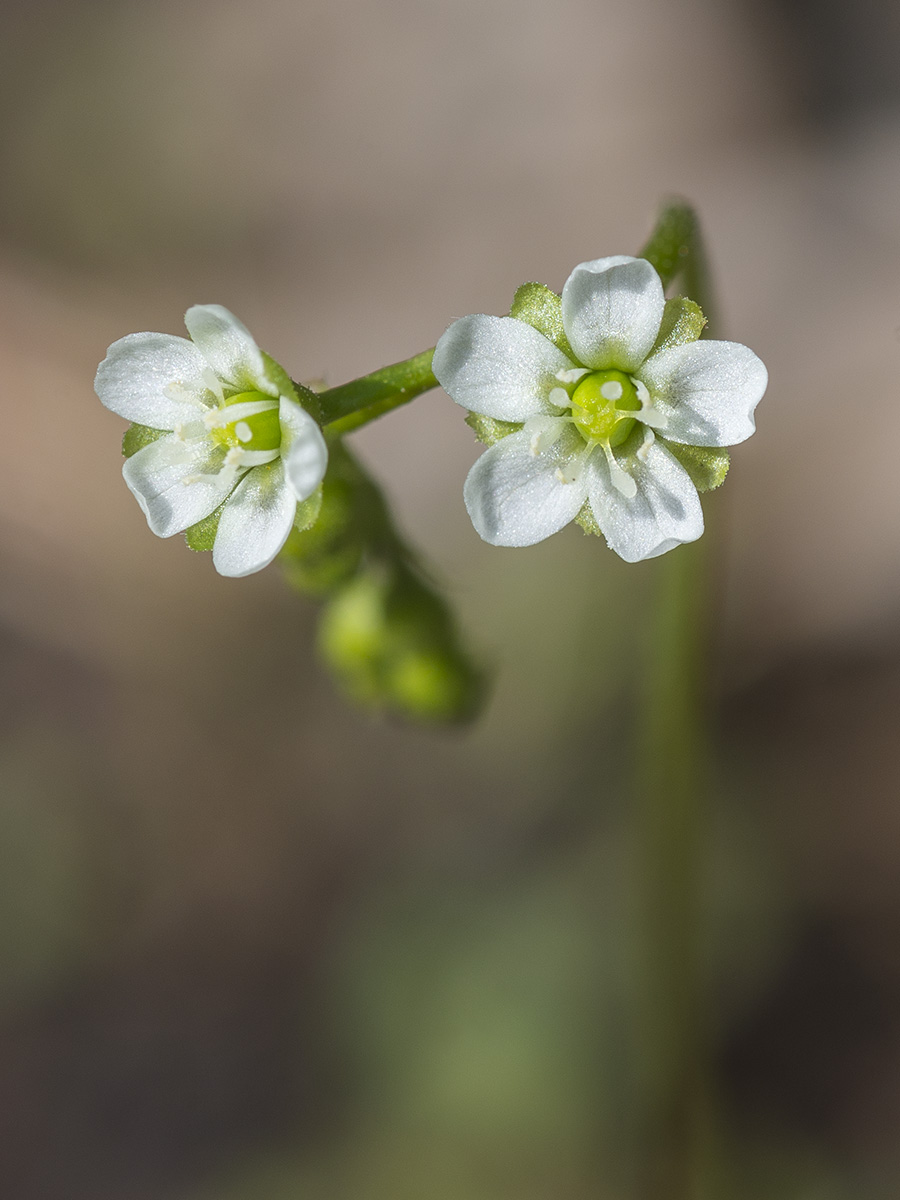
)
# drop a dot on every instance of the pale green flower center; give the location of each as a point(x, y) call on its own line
point(601, 404)
point(248, 421)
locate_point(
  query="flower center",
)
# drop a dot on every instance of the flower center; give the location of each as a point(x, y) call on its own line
point(248, 421)
point(601, 405)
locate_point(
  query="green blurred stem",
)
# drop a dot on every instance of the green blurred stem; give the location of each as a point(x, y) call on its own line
point(351, 405)
point(671, 822)
point(670, 844)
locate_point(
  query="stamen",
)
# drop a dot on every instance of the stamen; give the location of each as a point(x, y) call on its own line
point(219, 417)
point(560, 397)
point(649, 439)
point(621, 480)
point(180, 393)
point(572, 375)
point(570, 471)
point(641, 388)
point(653, 417)
point(234, 460)
point(544, 432)
point(189, 430)
point(214, 383)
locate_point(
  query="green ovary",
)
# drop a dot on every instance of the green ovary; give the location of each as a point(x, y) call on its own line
point(600, 404)
point(264, 428)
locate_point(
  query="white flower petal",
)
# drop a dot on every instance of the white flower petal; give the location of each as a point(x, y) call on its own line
point(133, 378)
point(157, 476)
point(302, 448)
point(707, 390)
point(255, 522)
point(498, 366)
point(664, 512)
point(228, 347)
point(517, 498)
point(612, 309)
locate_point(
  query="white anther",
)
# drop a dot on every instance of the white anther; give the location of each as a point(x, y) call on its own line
point(181, 393)
point(187, 430)
point(544, 432)
point(214, 383)
point(653, 417)
point(621, 480)
point(243, 431)
point(232, 413)
point(572, 375)
point(641, 388)
point(560, 397)
point(644, 449)
point(569, 472)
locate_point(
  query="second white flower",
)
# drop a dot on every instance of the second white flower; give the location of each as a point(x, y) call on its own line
point(595, 424)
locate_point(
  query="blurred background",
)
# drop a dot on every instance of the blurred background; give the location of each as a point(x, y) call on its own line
point(257, 944)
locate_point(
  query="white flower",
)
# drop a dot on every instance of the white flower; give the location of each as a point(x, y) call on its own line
point(235, 433)
point(595, 426)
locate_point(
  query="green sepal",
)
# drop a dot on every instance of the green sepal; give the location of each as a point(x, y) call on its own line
point(325, 553)
point(304, 395)
point(200, 537)
point(138, 436)
point(588, 521)
point(706, 465)
point(308, 511)
point(490, 431)
point(538, 306)
point(683, 322)
point(279, 377)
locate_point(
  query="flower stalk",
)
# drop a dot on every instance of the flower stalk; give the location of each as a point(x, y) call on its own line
point(669, 825)
point(351, 405)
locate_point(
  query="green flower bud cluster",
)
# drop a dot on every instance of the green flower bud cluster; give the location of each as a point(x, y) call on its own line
point(385, 631)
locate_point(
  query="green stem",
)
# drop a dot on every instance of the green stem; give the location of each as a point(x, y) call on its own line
point(670, 821)
point(351, 405)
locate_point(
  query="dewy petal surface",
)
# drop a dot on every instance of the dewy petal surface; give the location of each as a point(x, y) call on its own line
point(498, 366)
point(707, 391)
point(517, 498)
point(302, 448)
point(612, 309)
point(133, 378)
point(255, 522)
point(664, 512)
point(156, 475)
point(228, 347)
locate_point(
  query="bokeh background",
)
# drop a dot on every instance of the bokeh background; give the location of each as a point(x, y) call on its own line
point(257, 944)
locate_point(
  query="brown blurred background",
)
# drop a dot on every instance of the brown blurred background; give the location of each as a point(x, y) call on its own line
point(255, 944)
